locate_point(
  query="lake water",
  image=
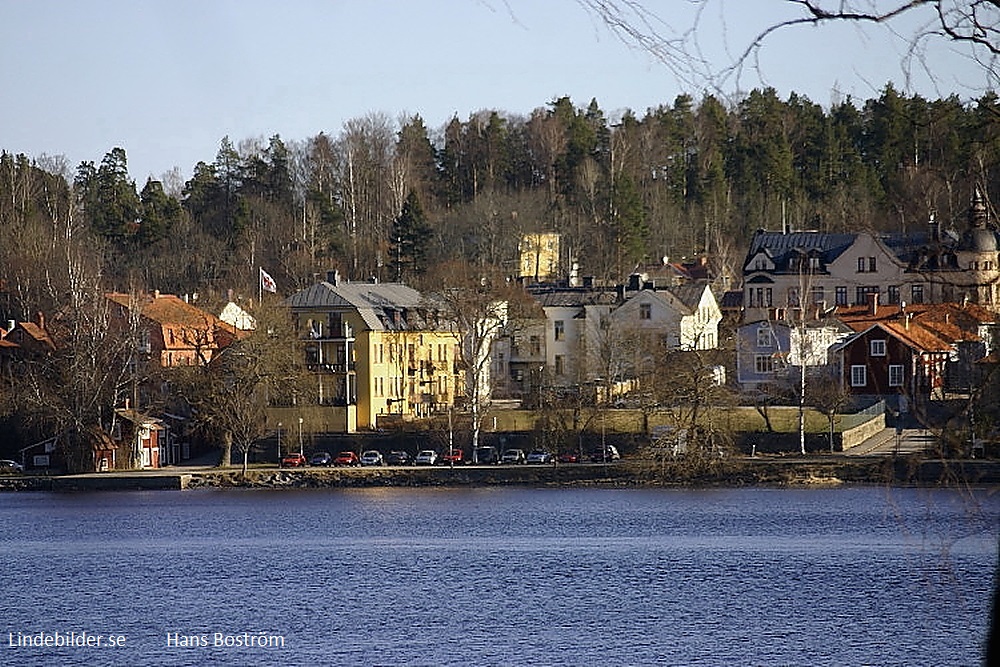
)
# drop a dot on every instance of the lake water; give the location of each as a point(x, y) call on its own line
point(498, 576)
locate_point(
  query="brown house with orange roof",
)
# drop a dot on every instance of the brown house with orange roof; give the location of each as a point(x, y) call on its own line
point(172, 331)
point(919, 351)
point(31, 337)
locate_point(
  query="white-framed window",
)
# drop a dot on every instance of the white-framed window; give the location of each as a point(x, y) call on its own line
point(859, 376)
point(764, 337)
point(895, 375)
point(763, 364)
point(877, 347)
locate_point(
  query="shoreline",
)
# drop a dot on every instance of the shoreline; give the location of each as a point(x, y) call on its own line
point(771, 472)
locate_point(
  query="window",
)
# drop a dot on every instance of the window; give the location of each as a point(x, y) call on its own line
point(535, 345)
point(895, 375)
point(763, 364)
point(877, 347)
point(861, 294)
point(871, 265)
point(793, 296)
point(917, 294)
point(814, 263)
point(759, 264)
point(840, 295)
point(760, 297)
point(818, 295)
point(645, 311)
point(764, 337)
point(861, 264)
point(560, 364)
point(859, 376)
point(893, 294)
point(560, 327)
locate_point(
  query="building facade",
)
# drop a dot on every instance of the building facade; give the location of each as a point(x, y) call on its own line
point(377, 350)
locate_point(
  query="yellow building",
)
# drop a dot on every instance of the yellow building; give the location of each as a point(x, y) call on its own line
point(378, 350)
point(539, 256)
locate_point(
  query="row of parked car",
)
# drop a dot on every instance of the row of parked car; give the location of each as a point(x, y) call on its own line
point(452, 457)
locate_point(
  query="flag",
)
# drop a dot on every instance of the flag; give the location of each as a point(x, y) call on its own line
point(267, 282)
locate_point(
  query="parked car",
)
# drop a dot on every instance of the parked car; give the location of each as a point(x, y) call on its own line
point(321, 459)
point(397, 458)
point(452, 457)
point(609, 454)
point(426, 457)
point(569, 457)
point(347, 459)
point(372, 457)
point(513, 456)
point(538, 456)
point(295, 460)
point(487, 456)
point(6, 465)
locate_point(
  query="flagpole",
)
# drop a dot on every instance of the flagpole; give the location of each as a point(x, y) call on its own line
point(260, 286)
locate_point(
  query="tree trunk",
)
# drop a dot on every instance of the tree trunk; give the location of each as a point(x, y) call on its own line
point(226, 456)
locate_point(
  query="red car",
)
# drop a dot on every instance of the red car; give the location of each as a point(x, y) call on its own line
point(347, 459)
point(452, 457)
point(293, 461)
point(569, 457)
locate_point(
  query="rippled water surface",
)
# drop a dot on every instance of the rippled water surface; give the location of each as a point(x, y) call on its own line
point(863, 576)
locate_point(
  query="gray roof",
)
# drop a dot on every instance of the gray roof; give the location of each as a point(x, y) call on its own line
point(575, 298)
point(783, 248)
point(689, 295)
point(373, 301)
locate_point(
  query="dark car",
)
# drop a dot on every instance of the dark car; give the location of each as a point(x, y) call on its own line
point(347, 459)
point(295, 460)
point(487, 456)
point(513, 457)
point(609, 454)
point(538, 456)
point(321, 459)
point(397, 458)
point(452, 457)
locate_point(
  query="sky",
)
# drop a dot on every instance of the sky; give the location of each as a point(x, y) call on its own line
point(167, 80)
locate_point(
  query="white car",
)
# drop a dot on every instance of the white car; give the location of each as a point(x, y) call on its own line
point(426, 457)
point(372, 457)
point(6, 465)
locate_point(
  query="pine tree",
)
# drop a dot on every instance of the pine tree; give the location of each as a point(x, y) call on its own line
point(411, 235)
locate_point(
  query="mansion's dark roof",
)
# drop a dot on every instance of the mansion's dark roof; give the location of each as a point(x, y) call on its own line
point(785, 248)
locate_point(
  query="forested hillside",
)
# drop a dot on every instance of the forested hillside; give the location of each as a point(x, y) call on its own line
point(391, 198)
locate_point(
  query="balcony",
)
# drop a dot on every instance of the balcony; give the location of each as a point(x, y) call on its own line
point(332, 368)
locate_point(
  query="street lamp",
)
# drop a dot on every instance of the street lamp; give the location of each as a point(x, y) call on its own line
point(300, 435)
point(279, 444)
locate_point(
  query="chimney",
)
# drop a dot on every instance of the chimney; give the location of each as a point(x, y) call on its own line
point(588, 282)
point(872, 303)
point(633, 282)
point(40, 320)
point(935, 228)
point(10, 325)
point(333, 277)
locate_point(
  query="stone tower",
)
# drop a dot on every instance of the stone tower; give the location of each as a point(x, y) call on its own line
point(978, 256)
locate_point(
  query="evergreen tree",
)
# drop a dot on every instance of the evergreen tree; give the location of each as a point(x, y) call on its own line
point(411, 235)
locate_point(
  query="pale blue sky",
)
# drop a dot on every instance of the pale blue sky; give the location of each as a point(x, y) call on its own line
point(167, 80)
